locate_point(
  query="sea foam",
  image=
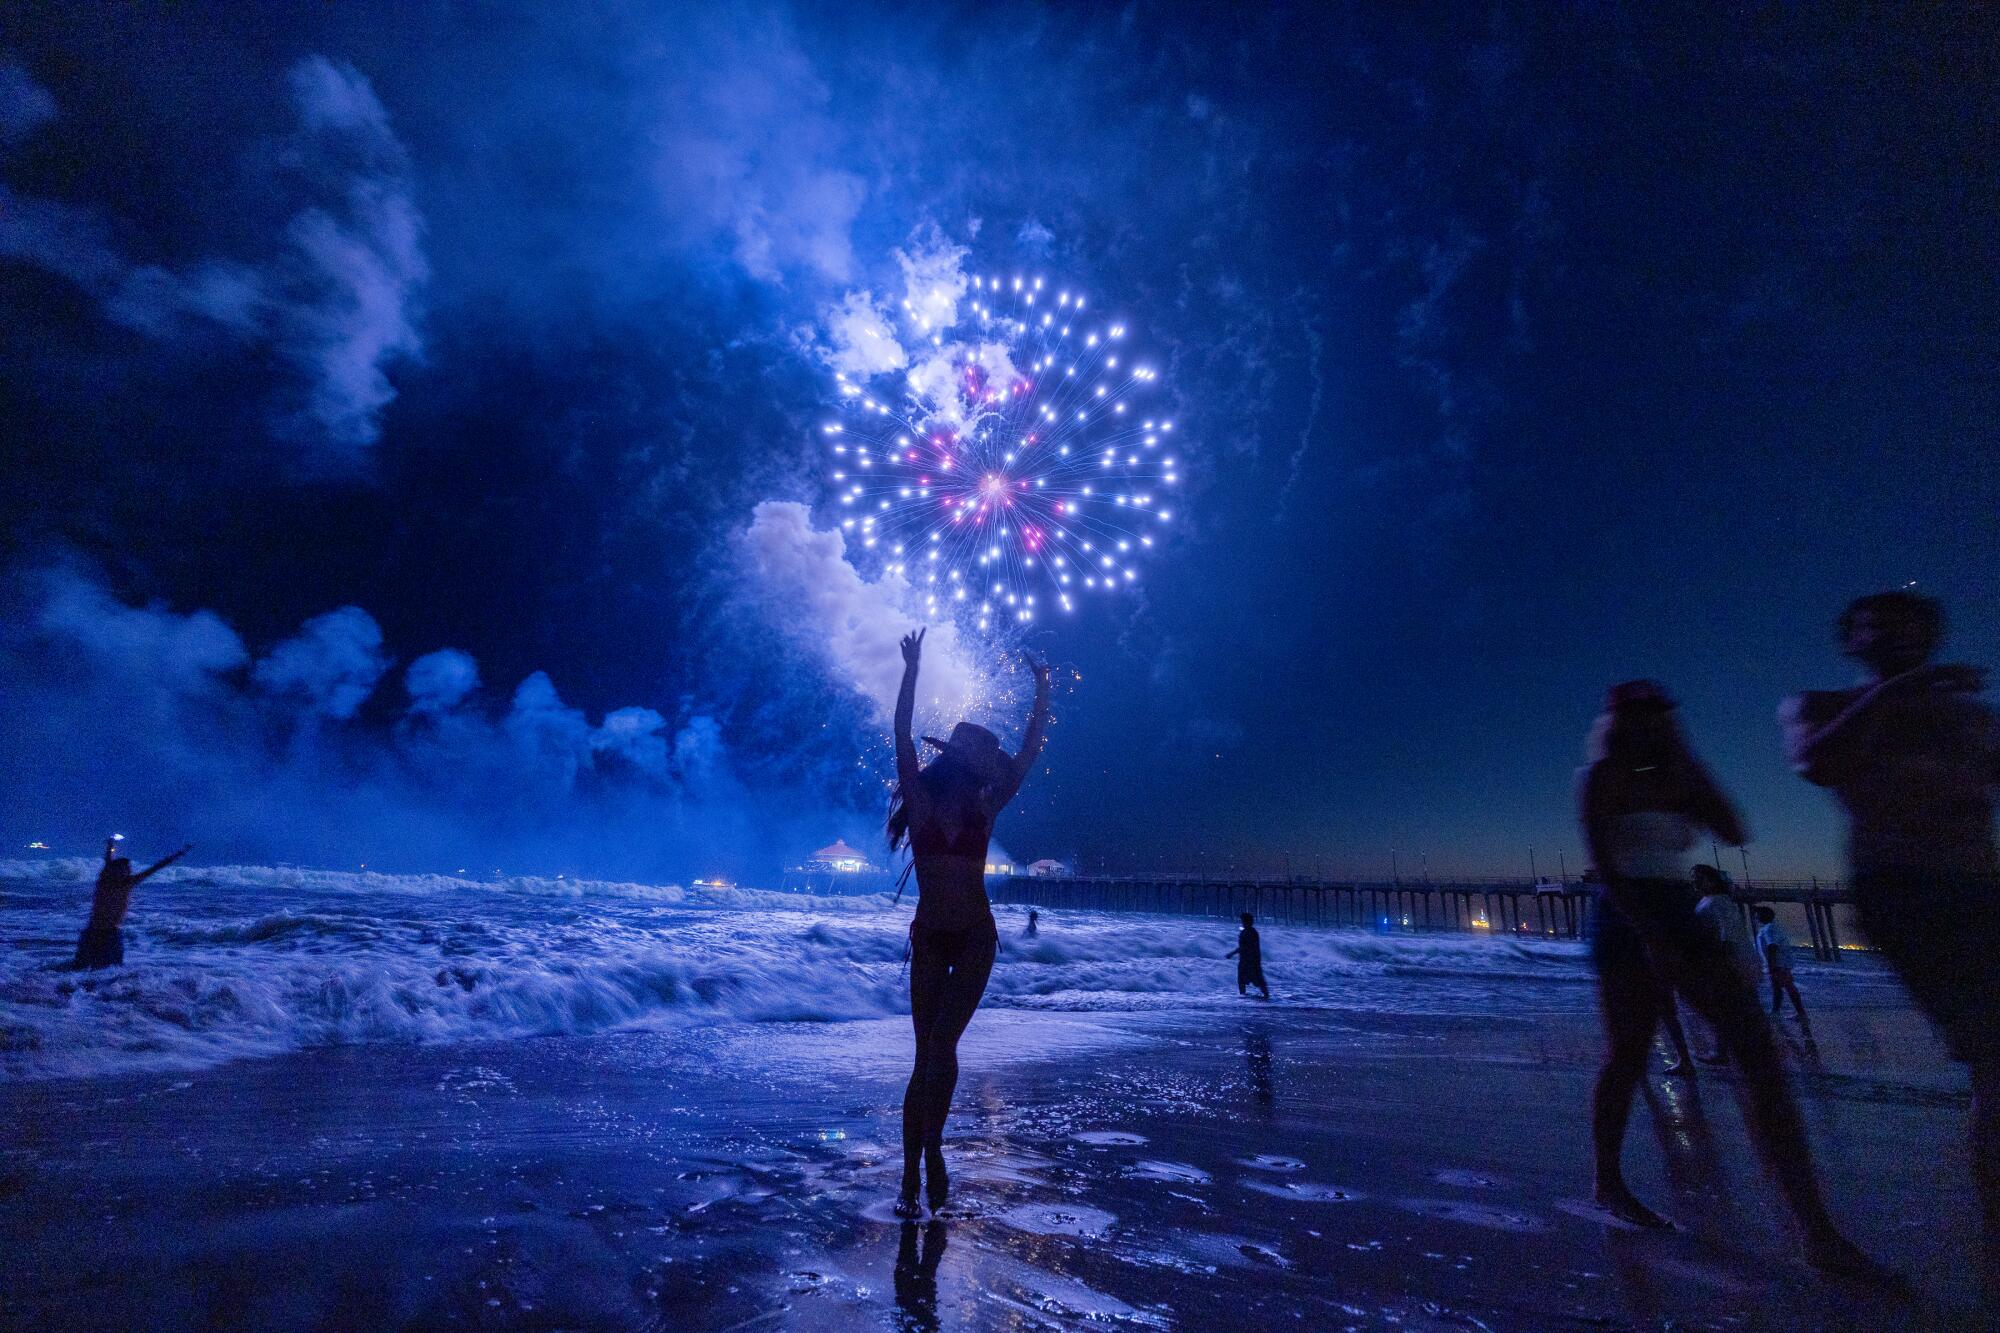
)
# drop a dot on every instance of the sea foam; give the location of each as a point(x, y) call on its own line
point(232, 962)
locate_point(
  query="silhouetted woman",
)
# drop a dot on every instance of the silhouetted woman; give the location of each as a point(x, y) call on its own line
point(945, 810)
point(102, 943)
point(1643, 797)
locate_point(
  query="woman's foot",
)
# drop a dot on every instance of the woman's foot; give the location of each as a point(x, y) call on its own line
point(907, 1209)
point(937, 1181)
point(1621, 1204)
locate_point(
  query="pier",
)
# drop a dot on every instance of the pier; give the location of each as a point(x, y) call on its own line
point(1498, 906)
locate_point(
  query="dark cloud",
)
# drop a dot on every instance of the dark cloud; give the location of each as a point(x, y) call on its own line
point(336, 297)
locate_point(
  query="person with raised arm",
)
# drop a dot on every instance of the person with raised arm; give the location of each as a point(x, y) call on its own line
point(1913, 754)
point(945, 811)
point(1642, 798)
point(102, 943)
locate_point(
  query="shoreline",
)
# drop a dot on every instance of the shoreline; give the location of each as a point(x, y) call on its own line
point(1235, 1165)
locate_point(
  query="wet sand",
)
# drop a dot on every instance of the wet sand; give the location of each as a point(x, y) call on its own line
point(1264, 1167)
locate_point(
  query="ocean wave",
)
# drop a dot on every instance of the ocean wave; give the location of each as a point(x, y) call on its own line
point(237, 962)
point(82, 870)
point(195, 1012)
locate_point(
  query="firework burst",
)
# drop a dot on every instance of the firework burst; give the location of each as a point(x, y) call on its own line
point(1015, 468)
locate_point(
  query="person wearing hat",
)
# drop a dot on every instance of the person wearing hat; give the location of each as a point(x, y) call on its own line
point(1643, 797)
point(945, 811)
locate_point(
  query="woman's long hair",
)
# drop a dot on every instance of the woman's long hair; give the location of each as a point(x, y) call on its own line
point(1629, 737)
point(952, 788)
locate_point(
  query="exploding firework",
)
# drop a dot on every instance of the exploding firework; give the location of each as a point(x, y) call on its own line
point(1015, 469)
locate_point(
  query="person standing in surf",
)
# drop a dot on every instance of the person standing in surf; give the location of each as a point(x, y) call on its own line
point(1642, 798)
point(1249, 956)
point(1913, 754)
point(102, 943)
point(945, 811)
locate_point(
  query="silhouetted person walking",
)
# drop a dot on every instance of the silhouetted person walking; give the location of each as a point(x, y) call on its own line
point(1913, 754)
point(102, 943)
point(1774, 946)
point(1033, 918)
point(1249, 956)
point(945, 811)
point(1642, 798)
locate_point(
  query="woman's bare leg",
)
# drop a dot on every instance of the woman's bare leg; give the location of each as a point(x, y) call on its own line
point(1676, 1034)
point(958, 999)
point(1725, 999)
point(1629, 998)
point(928, 974)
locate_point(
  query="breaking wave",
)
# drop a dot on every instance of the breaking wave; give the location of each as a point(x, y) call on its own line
point(233, 962)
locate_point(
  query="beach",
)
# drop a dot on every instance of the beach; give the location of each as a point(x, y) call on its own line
point(1398, 1140)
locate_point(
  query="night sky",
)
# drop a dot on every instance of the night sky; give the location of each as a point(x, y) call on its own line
point(1515, 350)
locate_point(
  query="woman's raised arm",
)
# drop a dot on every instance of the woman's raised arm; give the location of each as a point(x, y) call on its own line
point(162, 863)
point(907, 766)
point(1031, 743)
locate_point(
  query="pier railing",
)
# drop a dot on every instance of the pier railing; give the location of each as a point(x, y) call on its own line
point(1496, 907)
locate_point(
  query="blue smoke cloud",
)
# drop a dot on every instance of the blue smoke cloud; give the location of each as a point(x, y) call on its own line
point(438, 682)
point(25, 106)
point(331, 666)
point(161, 721)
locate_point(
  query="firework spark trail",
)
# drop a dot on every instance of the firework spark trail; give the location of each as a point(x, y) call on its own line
point(1015, 468)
